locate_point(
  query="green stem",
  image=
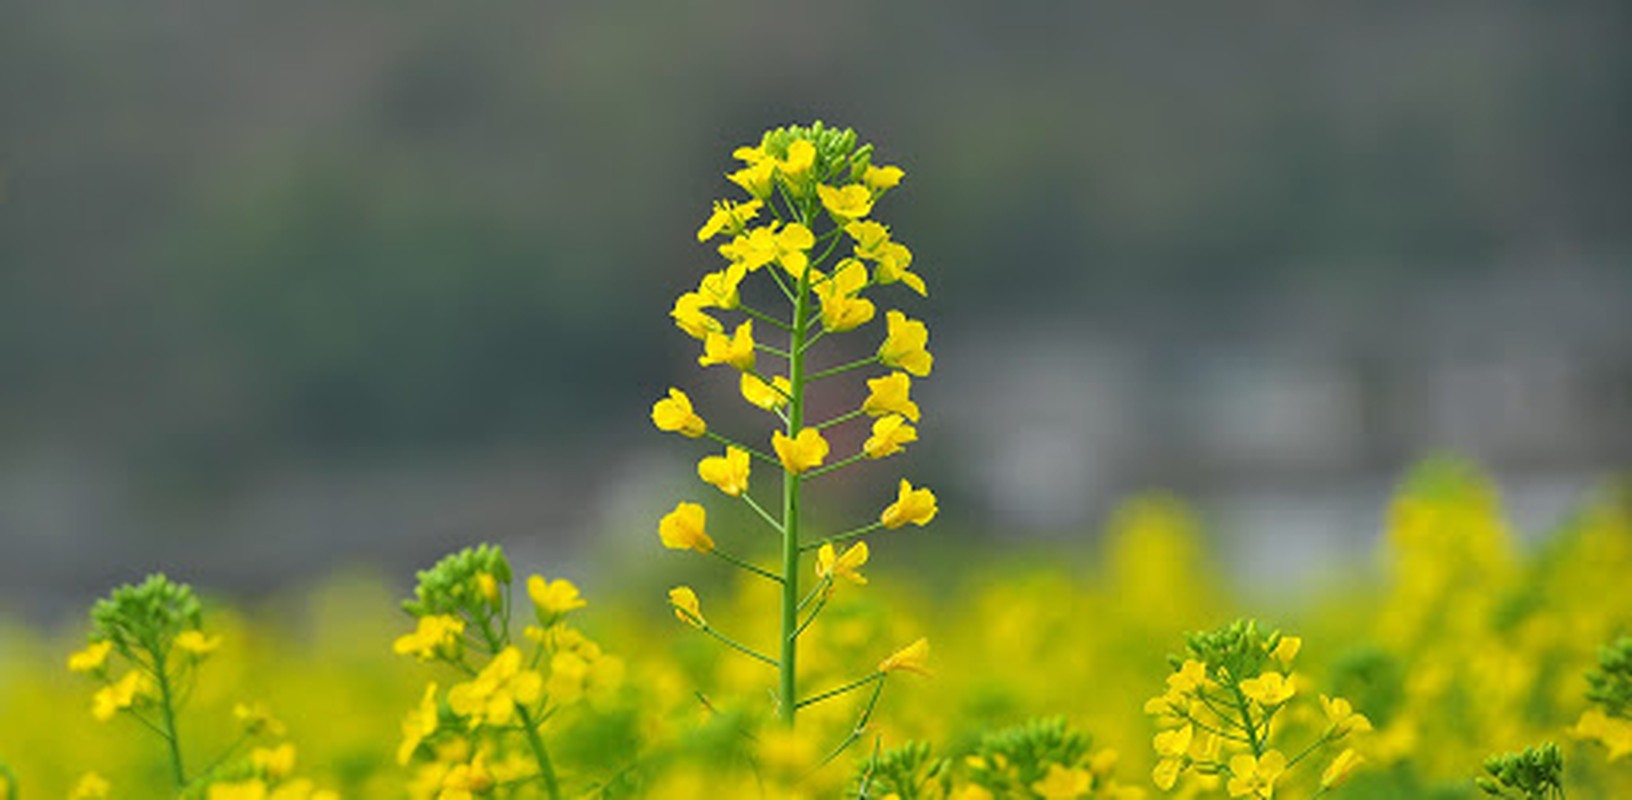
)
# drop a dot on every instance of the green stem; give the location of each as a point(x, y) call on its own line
point(745, 448)
point(763, 317)
point(736, 645)
point(787, 667)
point(740, 564)
point(823, 470)
point(1245, 708)
point(167, 705)
point(763, 514)
point(545, 767)
point(839, 420)
point(860, 726)
point(849, 687)
point(843, 368)
point(846, 536)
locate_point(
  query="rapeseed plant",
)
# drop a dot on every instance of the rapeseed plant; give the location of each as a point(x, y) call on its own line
point(810, 191)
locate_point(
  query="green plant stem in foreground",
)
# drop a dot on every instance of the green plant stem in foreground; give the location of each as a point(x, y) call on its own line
point(545, 768)
point(787, 665)
point(167, 705)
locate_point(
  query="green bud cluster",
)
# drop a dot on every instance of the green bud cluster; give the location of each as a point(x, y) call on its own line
point(1611, 682)
point(146, 617)
point(1535, 774)
point(1012, 759)
point(453, 585)
point(1235, 651)
point(909, 772)
point(835, 148)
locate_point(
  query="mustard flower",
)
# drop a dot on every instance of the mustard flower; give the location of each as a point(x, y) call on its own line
point(195, 643)
point(719, 289)
point(554, 597)
point(728, 473)
point(800, 453)
point(890, 394)
point(912, 658)
point(684, 528)
point(121, 694)
point(252, 789)
point(757, 179)
point(736, 349)
point(904, 346)
point(880, 178)
point(842, 308)
point(466, 781)
point(274, 763)
point(1338, 772)
point(893, 260)
point(1174, 743)
point(890, 436)
point(1613, 733)
point(1063, 783)
point(90, 786)
point(684, 601)
point(916, 506)
point(92, 658)
point(848, 203)
point(801, 157)
point(729, 217)
point(488, 587)
point(1286, 650)
point(674, 413)
point(435, 633)
point(1269, 689)
point(420, 723)
point(782, 244)
point(1191, 675)
point(768, 396)
point(255, 719)
point(1255, 776)
point(491, 697)
point(1342, 717)
point(847, 566)
point(689, 315)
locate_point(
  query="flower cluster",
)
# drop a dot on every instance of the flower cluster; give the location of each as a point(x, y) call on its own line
point(805, 232)
point(485, 730)
point(1610, 688)
point(1042, 758)
point(1218, 715)
point(1535, 774)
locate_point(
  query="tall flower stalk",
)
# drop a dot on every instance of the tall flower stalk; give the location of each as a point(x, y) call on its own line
point(810, 194)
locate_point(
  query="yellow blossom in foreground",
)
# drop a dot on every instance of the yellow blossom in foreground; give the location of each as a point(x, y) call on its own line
point(1062, 783)
point(434, 632)
point(728, 473)
point(904, 345)
point(1612, 732)
point(684, 601)
point(120, 695)
point(91, 658)
point(881, 178)
point(719, 289)
point(736, 349)
point(554, 597)
point(1174, 743)
point(420, 723)
point(1192, 675)
point(492, 696)
point(729, 217)
point(674, 414)
point(90, 786)
point(274, 762)
point(1341, 768)
point(894, 259)
point(757, 179)
point(842, 308)
point(689, 316)
point(252, 789)
point(847, 566)
point(466, 781)
point(891, 435)
point(1287, 649)
point(890, 394)
point(1342, 716)
point(1269, 689)
point(196, 643)
point(1255, 776)
point(801, 157)
point(912, 658)
point(916, 506)
point(768, 396)
point(849, 203)
point(685, 528)
point(488, 587)
point(803, 452)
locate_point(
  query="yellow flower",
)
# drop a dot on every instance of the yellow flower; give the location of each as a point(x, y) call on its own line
point(1174, 743)
point(1342, 716)
point(1166, 773)
point(1255, 776)
point(684, 528)
point(719, 289)
point(492, 696)
point(1191, 676)
point(880, 178)
point(890, 394)
point(120, 695)
point(792, 244)
point(783, 244)
point(847, 566)
point(684, 601)
point(801, 157)
point(91, 786)
point(256, 719)
point(916, 506)
point(893, 258)
point(195, 643)
point(420, 723)
point(970, 791)
point(488, 587)
point(1612, 732)
point(1340, 769)
point(912, 658)
point(92, 658)
point(252, 789)
point(849, 203)
point(729, 217)
point(554, 597)
point(674, 413)
point(435, 632)
point(688, 316)
point(768, 396)
point(736, 349)
point(842, 307)
point(1269, 689)
point(890, 436)
point(301, 789)
point(465, 781)
point(904, 346)
point(803, 452)
point(1286, 650)
point(756, 179)
point(728, 473)
point(274, 763)
point(1062, 783)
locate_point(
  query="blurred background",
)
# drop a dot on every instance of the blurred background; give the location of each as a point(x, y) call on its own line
point(287, 287)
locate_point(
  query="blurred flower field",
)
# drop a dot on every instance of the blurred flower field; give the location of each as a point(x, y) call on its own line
point(1459, 647)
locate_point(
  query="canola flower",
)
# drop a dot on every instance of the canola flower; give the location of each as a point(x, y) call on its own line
point(806, 233)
